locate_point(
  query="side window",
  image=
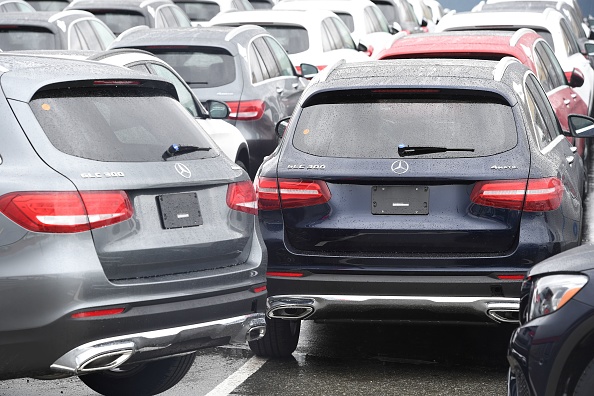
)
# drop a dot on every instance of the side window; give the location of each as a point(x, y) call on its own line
point(542, 72)
point(267, 57)
point(140, 68)
point(103, 33)
point(88, 35)
point(286, 67)
point(166, 16)
point(369, 28)
point(568, 36)
point(75, 39)
point(345, 35)
point(382, 21)
point(184, 95)
point(557, 70)
point(181, 17)
point(538, 123)
point(326, 46)
point(255, 65)
point(551, 124)
point(334, 34)
point(554, 76)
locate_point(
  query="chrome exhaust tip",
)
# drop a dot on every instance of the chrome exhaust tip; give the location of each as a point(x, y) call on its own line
point(105, 361)
point(255, 333)
point(289, 312)
point(504, 315)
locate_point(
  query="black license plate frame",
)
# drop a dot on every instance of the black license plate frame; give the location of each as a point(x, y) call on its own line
point(400, 200)
point(179, 210)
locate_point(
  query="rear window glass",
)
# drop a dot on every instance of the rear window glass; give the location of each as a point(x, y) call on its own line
point(356, 125)
point(261, 4)
point(347, 19)
point(200, 67)
point(48, 5)
point(294, 39)
point(120, 20)
point(117, 124)
point(26, 39)
point(389, 10)
point(200, 11)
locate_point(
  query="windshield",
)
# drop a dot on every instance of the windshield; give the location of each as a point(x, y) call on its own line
point(26, 38)
point(118, 21)
point(117, 124)
point(355, 125)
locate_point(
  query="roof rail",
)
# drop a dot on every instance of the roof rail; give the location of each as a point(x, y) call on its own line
point(129, 31)
point(503, 64)
point(147, 2)
point(61, 14)
point(240, 29)
point(518, 35)
point(326, 72)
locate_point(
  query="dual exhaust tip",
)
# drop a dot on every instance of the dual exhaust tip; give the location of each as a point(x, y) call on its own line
point(292, 312)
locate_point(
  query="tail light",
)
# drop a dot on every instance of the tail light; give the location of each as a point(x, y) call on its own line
point(242, 197)
point(425, 29)
point(66, 212)
point(96, 313)
point(247, 110)
point(533, 195)
point(286, 193)
point(321, 67)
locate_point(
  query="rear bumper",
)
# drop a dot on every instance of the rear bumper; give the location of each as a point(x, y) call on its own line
point(394, 308)
point(109, 353)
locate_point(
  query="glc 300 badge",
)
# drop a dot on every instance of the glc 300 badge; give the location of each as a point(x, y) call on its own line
point(399, 167)
point(306, 167)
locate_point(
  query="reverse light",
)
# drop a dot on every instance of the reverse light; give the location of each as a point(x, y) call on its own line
point(550, 293)
point(66, 212)
point(246, 110)
point(273, 194)
point(96, 313)
point(242, 197)
point(533, 195)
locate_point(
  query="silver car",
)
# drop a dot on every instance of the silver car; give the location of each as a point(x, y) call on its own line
point(127, 241)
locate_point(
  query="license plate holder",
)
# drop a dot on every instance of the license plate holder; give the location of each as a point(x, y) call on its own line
point(179, 210)
point(400, 200)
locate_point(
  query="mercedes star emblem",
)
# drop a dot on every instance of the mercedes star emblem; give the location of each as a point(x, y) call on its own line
point(185, 171)
point(400, 167)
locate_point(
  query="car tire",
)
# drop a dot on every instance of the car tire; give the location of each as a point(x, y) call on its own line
point(143, 379)
point(280, 340)
point(585, 383)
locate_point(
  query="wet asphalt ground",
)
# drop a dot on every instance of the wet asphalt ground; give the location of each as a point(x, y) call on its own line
point(346, 359)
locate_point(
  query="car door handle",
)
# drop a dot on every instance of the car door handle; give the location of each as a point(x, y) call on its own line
point(295, 85)
point(566, 102)
point(570, 159)
point(279, 90)
point(573, 149)
point(573, 95)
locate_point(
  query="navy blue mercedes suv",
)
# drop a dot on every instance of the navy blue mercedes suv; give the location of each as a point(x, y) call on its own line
point(414, 191)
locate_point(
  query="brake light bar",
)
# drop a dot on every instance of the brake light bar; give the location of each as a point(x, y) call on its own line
point(511, 277)
point(285, 274)
point(100, 312)
point(246, 110)
point(116, 82)
point(532, 195)
point(274, 194)
point(66, 211)
point(242, 197)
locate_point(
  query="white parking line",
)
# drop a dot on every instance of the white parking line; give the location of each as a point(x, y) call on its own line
point(238, 377)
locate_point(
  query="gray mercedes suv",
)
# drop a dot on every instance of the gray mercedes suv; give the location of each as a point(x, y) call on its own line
point(127, 242)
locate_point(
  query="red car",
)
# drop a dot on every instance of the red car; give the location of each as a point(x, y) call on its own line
point(525, 45)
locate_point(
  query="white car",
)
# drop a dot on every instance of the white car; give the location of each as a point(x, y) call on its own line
point(15, 6)
point(424, 14)
point(550, 24)
point(436, 9)
point(201, 11)
point(365, 21)
point(319, 38)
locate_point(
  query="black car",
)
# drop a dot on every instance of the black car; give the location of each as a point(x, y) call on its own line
point(552, 352)
point(414, 191)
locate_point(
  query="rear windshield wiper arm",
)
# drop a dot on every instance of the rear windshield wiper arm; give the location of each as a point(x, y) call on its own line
point(178, 149)
point(405, 151)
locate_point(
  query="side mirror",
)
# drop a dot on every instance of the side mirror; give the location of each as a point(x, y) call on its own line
point(581, 126)
point(397, 27)
point(575, 78)
point(424, 22)
point(281, 127)
point(308, 70)
point(368, 49)
point(217, 110)
point(589, 48)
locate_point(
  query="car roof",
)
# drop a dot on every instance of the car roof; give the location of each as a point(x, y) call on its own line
point(335, 5)
point(481, 20)
point(43, 18)
point(23, 74)
point(478, 75)
point(117, 4)
point(481, 41)
point(285, 17)
point(219, 36)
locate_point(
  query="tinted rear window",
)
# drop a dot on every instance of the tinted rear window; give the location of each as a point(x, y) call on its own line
point(294, 39)
point(356, 125)
point(118, 21)
point(200, 11)
point(25, 38)
point(48, 5)
point(200, 66)
point(117, 124)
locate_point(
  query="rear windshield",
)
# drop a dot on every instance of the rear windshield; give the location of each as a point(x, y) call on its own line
point(261, 4)
point(357, 125)
point(200, 67)
point(117, 124)
point(294, 39)
point(118, 21)
point(25, 38)
point(198, 11)
point(41, 5)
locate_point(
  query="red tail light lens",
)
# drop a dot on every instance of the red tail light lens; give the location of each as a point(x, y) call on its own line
point(101, 312)
point(247, 110)
point(242, 197)
point(322, 67)
point(533, 195)
point(66, 212)
point(286, 193)
point(285, 274)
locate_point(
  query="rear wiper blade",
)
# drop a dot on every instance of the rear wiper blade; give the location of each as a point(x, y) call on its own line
point(178, 149)
point(405, 151)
